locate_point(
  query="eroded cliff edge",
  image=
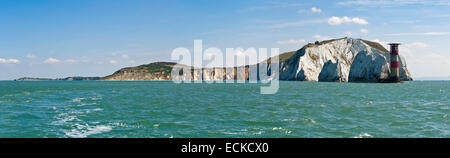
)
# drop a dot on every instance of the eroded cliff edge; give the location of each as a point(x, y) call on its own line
point(342, 60)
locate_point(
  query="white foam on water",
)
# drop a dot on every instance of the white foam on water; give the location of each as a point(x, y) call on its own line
point(363, 135)
point(64, 120)
point(230, 133)
point(80, 100)
point(83, 131)
point(79, 128)
point(258, 133)
point(87, 111)
point(84, 104)
point(309, 120)
point(77, 100)
point(119, 124)
point(26, 93)
point(277, 128)
point(289, 120)
point(286, 131)
point(98, 97)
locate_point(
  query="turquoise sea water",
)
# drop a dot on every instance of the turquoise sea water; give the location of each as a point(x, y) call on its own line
point(165, 109)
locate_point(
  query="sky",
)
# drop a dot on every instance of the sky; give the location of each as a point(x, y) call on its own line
point(55, 38)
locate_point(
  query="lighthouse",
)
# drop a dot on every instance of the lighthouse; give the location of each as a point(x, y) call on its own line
point(394, 76)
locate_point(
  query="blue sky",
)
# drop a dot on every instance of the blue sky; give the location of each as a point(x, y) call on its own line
point(55, 38)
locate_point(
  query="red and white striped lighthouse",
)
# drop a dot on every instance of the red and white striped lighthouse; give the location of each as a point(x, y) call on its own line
point(394, 76)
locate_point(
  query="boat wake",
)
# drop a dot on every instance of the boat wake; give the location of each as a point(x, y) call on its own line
point(70, 118)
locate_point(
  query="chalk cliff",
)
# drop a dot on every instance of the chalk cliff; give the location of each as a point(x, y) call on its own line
point(341, 60)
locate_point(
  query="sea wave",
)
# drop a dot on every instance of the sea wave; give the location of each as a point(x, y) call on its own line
point(72, 122)
point(286, 131)
point(77, 100)
point(83, 131)
point(63, 120)
point(363, 135)
point(97, 97)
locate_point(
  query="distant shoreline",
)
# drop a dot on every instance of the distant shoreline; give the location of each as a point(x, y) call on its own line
point(76, 78)
point(171, 80)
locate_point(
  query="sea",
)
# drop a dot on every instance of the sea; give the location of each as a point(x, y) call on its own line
point(163, 109)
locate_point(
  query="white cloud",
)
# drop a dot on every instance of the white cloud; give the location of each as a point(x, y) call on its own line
point(51, 60)
point(316, 10)
point(291, 41)
point(419, 34)
point(423, 63)
point(337, 20)
point(31, 56)
point(341, 20)
point(125, 56)
point(312, 10)
point(364, 31)
point(54, 60)
point(7, 61)
point(321, 38)
point(436, 33)
point(417, 45)
point(71, 61)
point(360, 21)
point(113, 62)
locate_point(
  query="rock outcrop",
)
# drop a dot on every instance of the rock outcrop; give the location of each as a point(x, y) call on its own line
point(341, 60)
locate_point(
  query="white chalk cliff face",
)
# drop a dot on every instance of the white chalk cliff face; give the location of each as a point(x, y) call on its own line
point(341, 60)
